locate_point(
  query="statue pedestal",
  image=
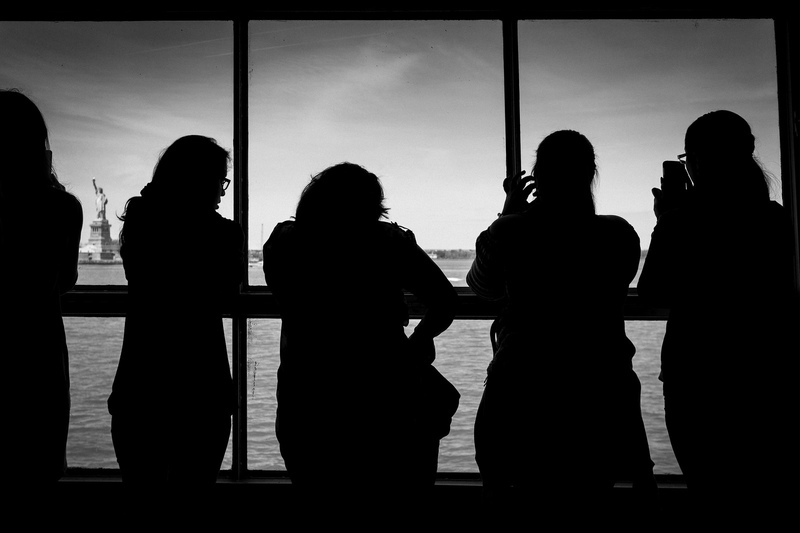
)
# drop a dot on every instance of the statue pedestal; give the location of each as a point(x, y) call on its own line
point(100, 238)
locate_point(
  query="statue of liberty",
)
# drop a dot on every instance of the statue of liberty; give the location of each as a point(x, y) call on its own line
point(100, 201)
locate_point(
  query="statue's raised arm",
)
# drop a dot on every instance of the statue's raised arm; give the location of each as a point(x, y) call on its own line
point(100, 201)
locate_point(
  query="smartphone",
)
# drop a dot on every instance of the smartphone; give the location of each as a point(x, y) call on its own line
point(674, 178)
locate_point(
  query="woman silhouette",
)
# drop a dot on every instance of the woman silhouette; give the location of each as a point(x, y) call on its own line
point(172, 398)
point(559, 421)
point(36, 394)
point(345, 382)
point(720, 260)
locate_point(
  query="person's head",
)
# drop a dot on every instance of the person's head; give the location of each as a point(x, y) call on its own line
point(565, 170)
point(344, 192)
point(24, 146)
point(719, 150)
point(193, 171)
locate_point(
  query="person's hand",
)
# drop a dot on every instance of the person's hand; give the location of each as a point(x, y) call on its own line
point(671, 195)
point(518, 189)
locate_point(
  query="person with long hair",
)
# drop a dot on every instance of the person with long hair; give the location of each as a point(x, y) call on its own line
point(559, 421)
point(40, 230)
point(720, 259)
point(172, 397)
point(346, 381)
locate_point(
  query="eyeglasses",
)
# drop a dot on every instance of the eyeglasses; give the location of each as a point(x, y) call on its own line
point(224, 182)
point(682, 158)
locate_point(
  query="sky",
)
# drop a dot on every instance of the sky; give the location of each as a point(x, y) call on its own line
point(419, 103)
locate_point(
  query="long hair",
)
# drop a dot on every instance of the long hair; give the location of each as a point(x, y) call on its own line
point(342, 193)
point(24, 143)
point(724, 143)
point(186, 175)
point(565, 170)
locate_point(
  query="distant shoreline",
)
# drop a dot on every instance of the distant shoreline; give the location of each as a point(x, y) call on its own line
point(100, 262)
point(255, 256)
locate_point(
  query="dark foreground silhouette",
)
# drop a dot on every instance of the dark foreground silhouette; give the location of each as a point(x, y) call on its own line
point(559, 421)
point(40, 229)
point(720, 260)
point(172, 396)
point(349, 408)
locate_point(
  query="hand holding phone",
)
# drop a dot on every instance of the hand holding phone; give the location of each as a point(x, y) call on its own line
point(675, 187)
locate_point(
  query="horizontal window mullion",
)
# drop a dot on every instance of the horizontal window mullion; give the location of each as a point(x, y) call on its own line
point(106, 301)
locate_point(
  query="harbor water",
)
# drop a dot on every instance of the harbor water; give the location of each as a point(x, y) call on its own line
point(463, 352)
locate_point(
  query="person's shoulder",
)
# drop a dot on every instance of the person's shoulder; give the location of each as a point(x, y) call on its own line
point(228, 225)
point(617, 226)
point(776, 210)
point(226, 229)
point(613, 221)
point(775, 217)
point(508, 224)
point(284, 228)
point(393, 230)
point(280, 233)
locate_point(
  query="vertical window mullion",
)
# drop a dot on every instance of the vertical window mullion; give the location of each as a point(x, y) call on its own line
point(240, 209)
point(787, 51)
point(511, 89)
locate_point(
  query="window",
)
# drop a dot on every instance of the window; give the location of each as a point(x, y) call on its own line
point(422, 103)
point(114, 94)
point(634, 86)
point(419, 103)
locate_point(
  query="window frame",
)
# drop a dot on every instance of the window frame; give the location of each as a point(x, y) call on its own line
point(258, 301)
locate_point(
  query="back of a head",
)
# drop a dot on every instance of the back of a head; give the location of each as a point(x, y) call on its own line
point(565, 169)
point(23, 142)
point(345, 193)
point(191, 168)
point(720, 134)
point(186, 177)
point(722, 146)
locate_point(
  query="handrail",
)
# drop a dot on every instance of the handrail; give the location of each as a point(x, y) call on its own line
point(259, 302)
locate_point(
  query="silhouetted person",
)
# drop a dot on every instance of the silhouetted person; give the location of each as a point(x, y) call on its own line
point(559, 421)
point(720, 260)
point(40, 229)
point(346, 421)
point(172, 398)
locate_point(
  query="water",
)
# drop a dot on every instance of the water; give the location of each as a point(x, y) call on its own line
point(463, 352)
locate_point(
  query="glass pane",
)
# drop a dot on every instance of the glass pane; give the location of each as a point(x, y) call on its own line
point(114, 94)
point(94, 346)
point(419, 103)
point(462, 354)
point(633, 87)
point(263, 341)
point(647, 336)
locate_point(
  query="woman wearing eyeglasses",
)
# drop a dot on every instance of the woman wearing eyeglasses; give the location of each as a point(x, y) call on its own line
point(720, 260)
point(172, 397)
